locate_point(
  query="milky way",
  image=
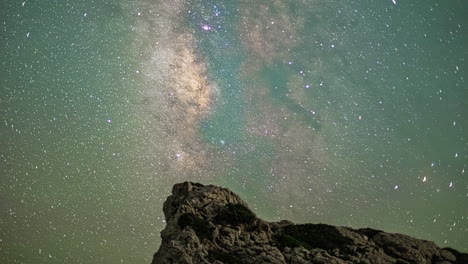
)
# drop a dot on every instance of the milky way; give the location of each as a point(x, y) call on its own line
point(339, 112)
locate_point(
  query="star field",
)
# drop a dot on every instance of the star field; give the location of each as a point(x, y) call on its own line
point(345, 113)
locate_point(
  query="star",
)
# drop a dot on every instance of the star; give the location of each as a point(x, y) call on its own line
point(206, 27)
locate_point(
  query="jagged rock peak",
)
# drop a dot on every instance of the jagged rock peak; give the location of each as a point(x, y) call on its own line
point(209, 224)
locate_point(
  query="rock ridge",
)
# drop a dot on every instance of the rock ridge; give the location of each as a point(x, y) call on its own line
point(212, 225)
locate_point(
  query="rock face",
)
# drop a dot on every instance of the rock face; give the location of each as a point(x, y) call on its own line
point(210, 224)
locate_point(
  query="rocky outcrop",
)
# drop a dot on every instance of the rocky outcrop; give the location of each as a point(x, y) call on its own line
point(210, 224)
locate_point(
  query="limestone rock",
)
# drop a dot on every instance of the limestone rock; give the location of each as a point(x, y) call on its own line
point(212, 225)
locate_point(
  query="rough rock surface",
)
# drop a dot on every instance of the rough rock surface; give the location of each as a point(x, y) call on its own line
point(210, 224)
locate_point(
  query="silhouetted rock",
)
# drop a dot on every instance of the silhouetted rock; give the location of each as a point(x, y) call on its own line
point(210, 224)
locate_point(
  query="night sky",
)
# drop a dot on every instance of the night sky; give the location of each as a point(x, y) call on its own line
point(349, 113)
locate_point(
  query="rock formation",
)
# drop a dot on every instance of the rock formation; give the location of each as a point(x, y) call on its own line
point(210, 224)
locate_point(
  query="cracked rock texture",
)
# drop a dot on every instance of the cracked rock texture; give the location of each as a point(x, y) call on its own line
point(210, 224)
